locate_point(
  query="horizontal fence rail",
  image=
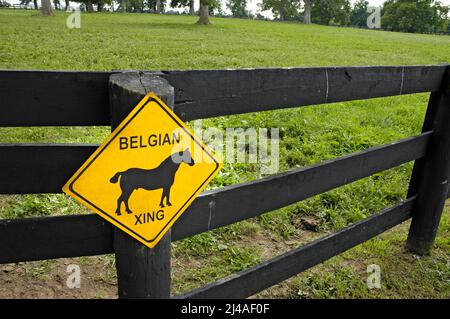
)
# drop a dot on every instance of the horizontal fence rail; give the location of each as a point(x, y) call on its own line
point(28, 239)
point(250, 281)
point(45, 168)
point(211, 209)
point(65, 98)
point(81, 98)
point(202, 94)
point(40, 168)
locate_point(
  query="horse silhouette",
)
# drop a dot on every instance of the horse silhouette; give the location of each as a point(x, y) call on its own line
point(162, 176)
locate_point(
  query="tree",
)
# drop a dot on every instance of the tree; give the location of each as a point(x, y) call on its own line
point(89, 4)
point(204, 12)
point(238, 8)
point(191, 7)
point(359, 14)
point(414, 16)
point(156, 6)
point(282, 9)
point(46, 8)
point(123, 5)
point(25, 2)
point(307, 12)
point(135, 6)
point(335, 12)
point(207, 7)
point(184, 3)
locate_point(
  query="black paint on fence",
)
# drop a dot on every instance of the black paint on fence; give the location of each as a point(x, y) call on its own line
point(104, 98)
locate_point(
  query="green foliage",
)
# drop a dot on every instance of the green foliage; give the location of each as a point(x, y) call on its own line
point(220, 264)
point(238, 8)
point(214, 5)
point(138, 5)
point(180, 3)
point(201, 245)
point(420, 16)
point(88, 4)
point(282, 9)
point(359, 14)
point(334, 12)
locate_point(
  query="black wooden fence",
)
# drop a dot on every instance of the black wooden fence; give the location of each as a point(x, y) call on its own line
point(48, 98)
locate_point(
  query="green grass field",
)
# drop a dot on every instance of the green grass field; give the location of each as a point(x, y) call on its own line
point(308, 135)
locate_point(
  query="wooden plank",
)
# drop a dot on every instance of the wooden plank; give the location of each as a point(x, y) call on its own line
point(45, 168)
point(217, 208)
point(39, 168)
point(428, 125)
point(28, 239)
point(250, 281)
point(209, 93)
point(141, 272)
point(239, 202)
point(39, 98)
point(433, 177)
point(42, 98)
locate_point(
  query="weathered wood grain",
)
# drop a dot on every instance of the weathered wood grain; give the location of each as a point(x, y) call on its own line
point(39, 98)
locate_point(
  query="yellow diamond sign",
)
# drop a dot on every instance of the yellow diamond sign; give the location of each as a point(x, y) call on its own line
point(145, 175)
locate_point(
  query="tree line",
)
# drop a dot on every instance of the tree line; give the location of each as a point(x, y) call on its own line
point(421, 16)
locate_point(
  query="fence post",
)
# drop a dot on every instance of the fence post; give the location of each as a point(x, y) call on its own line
point(430, 180)
point(141, 272)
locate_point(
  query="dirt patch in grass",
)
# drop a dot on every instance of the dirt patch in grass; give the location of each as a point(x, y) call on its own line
point(47, 279)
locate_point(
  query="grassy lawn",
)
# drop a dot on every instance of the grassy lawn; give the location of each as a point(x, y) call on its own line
point(308, 135)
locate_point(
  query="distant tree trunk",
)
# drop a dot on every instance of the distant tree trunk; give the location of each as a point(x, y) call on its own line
point(204, 14)
point(158, 6)
point(123, 6)
point(100, 7)
point(55, 3)
point(282, 11)
point(46, 8)
point(191, 8)
point(67, 5)
point(35, 4)
point(307, 14)
point(89, 6)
